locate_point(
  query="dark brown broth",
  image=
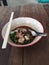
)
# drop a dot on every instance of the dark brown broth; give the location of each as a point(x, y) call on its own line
point(27, 28)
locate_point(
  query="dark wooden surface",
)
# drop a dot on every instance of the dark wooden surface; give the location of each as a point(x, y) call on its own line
point(37, 54)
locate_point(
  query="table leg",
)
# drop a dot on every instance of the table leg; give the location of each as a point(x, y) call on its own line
point(0, 3)
point(4, 2)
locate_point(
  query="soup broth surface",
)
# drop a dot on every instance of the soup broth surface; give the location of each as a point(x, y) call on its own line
point(21, 35)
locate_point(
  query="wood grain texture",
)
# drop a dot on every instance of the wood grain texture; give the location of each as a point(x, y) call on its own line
point(4, 18)
point(46, 7)
point(37, 54)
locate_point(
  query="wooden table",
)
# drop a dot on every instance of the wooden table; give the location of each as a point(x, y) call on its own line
point(37, 54)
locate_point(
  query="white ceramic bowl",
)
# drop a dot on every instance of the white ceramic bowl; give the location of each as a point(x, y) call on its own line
point(24, 21)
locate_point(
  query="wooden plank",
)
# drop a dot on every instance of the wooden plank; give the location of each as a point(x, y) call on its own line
point(37, 54)
point(15, 57)
point(16, 54)
point(46, 7)
point(5, 55)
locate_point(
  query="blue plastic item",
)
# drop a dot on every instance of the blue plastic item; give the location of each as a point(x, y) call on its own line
point(44, 1)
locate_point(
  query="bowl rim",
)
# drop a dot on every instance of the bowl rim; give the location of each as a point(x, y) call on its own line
point(25, 45)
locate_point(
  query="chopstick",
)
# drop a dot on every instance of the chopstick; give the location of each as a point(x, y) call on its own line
point(7, 32)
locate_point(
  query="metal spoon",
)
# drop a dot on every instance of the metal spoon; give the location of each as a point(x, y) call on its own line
point(35, 33)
